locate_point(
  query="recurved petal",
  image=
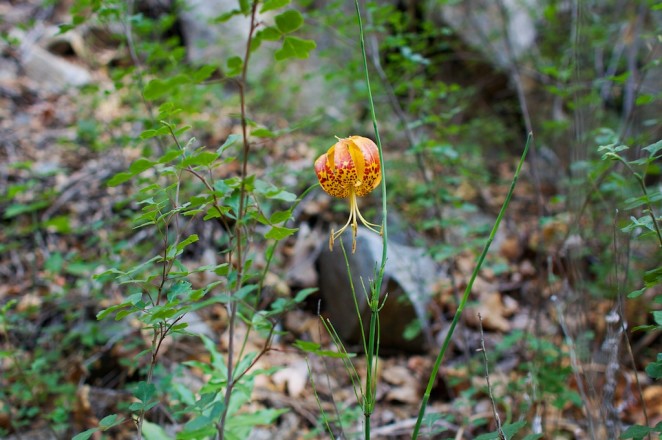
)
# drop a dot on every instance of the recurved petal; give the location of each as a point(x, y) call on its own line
point(372, 173)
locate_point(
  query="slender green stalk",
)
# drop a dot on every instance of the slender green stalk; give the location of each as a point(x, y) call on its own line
point(373, 337)
point(467, 291)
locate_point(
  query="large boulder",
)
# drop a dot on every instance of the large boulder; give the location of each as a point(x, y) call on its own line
point(409, 279)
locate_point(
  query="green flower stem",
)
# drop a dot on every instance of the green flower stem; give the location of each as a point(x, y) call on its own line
point(373, 336)
point(467, 291)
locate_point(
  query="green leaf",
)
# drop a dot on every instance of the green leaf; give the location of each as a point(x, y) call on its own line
point(261, 417)
point(140, 165)
point(136, 167)
point(272, 192)
point(145, 393)
point(20, 208)
point(245, 6)
point(509, 430)
point(653, 149)
point(148, 134)
point(653, 277)
point(102, 314)
point(235, 65)
point(636, 293)
point(155, 89)
point(170, 155)
point(120, 178)
point(262, 133)
point(279, 233)
point(228, 143)
point(152, 431)
point(199, 427)
point(110, 421)
point(294, 47)
point(203, 158)
point(226, 16)
point(270, 33)
point(203, 73)
point(635, 432)
point(307, 346)
point(314, 348)
point(654, 370)
point(280, 216)
point(657, 317)
point(58, 224)
point(644, 99)
point(289, 21)
point(85, 434)
point(270, 5)
point(158, 88)
point(304, 293)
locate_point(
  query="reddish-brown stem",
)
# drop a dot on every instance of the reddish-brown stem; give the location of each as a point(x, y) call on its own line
point(238, 224)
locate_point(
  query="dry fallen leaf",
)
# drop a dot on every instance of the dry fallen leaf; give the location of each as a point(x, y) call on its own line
point(292, 378)
point(405, 387)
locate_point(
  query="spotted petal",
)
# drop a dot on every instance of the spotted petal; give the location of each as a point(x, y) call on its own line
point(326, 174)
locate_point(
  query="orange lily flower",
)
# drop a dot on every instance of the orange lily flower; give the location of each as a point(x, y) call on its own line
point(350, 168)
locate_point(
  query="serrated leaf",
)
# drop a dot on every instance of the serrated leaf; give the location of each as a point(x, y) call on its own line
point(289, 21)
point(294, 47)
point(270, 5)
point(279, 233)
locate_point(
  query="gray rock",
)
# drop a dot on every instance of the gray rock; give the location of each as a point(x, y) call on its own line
point(495, 32)
point(52, 72)
point(410, 276)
